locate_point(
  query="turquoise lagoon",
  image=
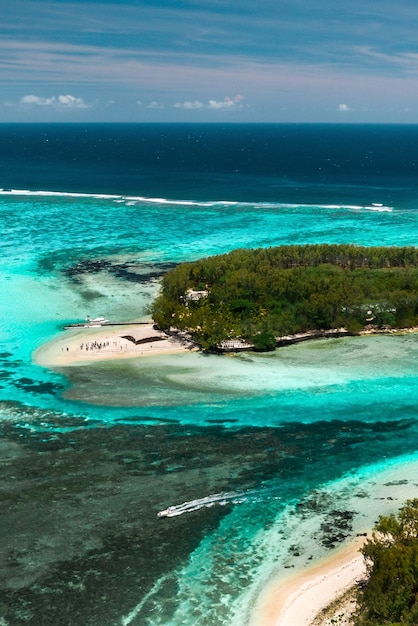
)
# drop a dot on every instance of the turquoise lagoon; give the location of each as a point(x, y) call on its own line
point(308, 444)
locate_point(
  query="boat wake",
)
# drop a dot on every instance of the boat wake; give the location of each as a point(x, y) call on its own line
point(222, 498)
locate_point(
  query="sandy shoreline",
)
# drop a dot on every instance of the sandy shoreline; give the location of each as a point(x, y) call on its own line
point(299, 599)
point(79, 346)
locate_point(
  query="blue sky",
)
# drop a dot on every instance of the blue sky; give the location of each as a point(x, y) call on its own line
point(209, 61)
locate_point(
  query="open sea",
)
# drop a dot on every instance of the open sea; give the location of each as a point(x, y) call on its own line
point(306, 445)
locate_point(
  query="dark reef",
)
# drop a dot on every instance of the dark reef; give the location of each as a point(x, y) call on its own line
point(81, 543)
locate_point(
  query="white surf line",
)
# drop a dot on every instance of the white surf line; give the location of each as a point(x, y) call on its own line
point(222, 498)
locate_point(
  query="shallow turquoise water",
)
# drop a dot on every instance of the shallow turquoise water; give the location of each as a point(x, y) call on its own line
point(357, 396)
point(310, 443)
point(44, 235)
point(47, 234)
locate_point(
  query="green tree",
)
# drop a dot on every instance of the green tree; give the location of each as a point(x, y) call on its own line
point(290, 289)
point(390, 595)
point(264, 341)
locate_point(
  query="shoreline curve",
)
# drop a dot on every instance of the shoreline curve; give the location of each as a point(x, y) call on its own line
point(84, 345)
point(300, 598)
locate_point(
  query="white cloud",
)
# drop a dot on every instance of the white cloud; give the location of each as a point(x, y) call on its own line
point(189, 105)
point(71, 102)
point(221, 104)
point(227, 102)
point(61, 102)
point(155, 105)
point(343, 107)
point(38, 101)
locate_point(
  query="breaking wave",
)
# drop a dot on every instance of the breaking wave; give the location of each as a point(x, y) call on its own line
point(132, 200)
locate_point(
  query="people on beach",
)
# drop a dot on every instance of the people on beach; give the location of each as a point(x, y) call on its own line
point(83, 345)
point(96, 345)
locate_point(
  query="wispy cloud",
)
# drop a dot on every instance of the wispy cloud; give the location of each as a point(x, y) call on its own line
point(286, 56)
point(401, 60)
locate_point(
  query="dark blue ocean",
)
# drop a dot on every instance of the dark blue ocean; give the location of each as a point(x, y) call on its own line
point(246, 163)
point(306, 445)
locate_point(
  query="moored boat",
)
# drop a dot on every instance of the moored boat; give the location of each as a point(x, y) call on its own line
point(95, 322)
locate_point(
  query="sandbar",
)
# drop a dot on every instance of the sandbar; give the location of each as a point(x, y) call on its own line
point(83, 345)
point(299, 598)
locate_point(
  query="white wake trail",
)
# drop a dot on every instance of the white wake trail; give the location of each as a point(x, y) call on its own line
point(222, 498)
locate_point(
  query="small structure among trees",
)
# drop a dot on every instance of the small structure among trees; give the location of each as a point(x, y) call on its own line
point(193, 295)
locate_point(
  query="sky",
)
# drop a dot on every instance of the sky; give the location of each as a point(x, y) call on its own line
point(351, 61)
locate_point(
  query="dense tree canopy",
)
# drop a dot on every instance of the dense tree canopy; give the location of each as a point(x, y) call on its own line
point(390, 596)
point(289, 289)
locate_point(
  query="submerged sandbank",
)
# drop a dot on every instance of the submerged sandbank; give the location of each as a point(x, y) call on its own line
point(299, 599)
point(79, 346)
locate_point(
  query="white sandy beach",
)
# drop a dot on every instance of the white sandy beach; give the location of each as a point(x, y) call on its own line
point(78, 346)
point(298, 600)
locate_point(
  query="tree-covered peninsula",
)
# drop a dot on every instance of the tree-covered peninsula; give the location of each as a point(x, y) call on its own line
point(260, 295)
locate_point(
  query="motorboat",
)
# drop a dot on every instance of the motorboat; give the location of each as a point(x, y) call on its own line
point(97, 321)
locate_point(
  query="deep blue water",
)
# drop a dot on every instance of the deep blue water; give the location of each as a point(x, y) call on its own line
point(286, 163)
point(134, 199)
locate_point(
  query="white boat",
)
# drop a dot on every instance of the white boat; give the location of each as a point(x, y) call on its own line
point(89, 323)
point(97, 321)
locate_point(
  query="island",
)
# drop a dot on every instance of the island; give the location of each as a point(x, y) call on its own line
point(261, 298)
point(258, 300)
